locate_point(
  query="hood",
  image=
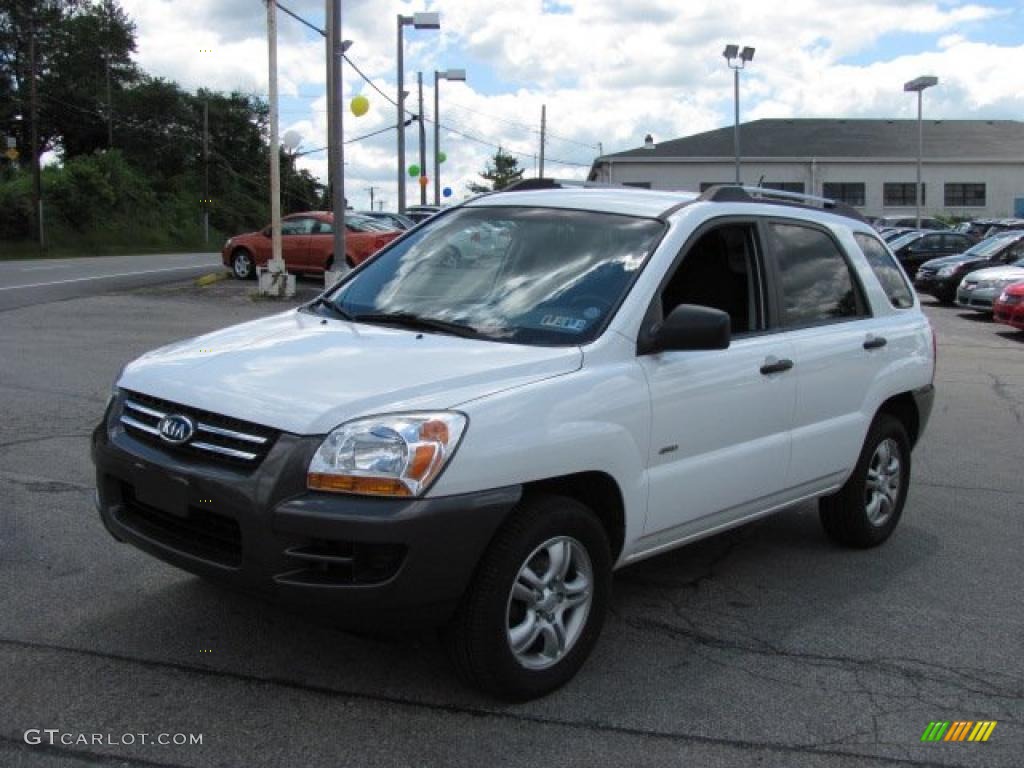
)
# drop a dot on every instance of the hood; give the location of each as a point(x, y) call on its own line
point(306, 374)
point(946, 261)
point(996, 273)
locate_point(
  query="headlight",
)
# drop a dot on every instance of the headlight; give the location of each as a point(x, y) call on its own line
point(947, 271)
point(392, 455)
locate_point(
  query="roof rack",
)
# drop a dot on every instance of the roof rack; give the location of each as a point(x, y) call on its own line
point(737, 193)
point(525, 185)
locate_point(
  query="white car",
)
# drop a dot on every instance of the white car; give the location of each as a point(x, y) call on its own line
point(482, 447)
point(979, 289)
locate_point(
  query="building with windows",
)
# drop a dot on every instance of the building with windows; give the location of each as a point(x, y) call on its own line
point(970, 168)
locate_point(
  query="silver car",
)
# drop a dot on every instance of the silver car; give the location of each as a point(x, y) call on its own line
point(979, 289)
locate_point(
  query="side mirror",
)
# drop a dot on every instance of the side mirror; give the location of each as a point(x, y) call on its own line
point(267, 231)
point(689, 327)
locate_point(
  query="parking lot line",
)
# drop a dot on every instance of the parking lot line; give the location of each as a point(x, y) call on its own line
point(101, 277)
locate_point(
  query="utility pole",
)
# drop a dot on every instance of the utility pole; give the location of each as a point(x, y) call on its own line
point(329, 58)
point(33, 97)
point(401, 118)
point(110, 100)
point(543, 130)
point(423, 144)
point(337, 146)
point(206, 170)
point(276, 265)
point(371, 190)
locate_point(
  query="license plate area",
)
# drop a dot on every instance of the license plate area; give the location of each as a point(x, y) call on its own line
point(159, 490)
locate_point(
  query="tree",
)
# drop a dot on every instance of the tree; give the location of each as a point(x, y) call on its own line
point(503, 169)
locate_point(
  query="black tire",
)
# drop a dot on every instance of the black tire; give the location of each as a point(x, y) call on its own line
point(478, 637)
point(849, 516)
point(242, 265)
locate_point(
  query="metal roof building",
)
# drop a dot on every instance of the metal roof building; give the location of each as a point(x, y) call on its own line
point(971, 168)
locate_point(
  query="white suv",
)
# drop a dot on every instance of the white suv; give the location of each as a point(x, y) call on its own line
point(478, 440)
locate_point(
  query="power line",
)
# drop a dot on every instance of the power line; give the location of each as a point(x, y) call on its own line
point(527, 126)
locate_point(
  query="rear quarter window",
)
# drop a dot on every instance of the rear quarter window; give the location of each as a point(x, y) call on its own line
point(888, 273)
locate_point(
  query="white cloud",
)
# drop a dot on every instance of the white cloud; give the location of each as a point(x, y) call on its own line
point(608, 72)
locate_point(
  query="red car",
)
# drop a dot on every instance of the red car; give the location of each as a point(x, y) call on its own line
point(1009, 307)
point(307, 243)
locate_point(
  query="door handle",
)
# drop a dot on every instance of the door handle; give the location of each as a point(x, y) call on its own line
point(875, 342)
point(774, 365)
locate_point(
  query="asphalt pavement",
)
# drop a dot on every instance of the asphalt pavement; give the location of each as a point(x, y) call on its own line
point(763, 646)
point(24, 282)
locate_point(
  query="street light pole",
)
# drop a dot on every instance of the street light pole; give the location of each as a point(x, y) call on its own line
point(337, 145)
point(737, 59)
point(919, 84)
point(450, 74)
point(419, 21)
point(423, 143)
point(276, 265)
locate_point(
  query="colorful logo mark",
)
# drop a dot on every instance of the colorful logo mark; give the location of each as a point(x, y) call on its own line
point(959, 730)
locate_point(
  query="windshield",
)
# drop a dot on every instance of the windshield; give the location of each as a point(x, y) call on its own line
point(522, 275)
point(904, 239)
point(988, 247)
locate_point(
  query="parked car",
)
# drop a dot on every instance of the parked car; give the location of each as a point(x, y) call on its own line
point(420, 212)
point(394, 220)
point(927, 222)
point(480, 444)
point(980, 289)
point(915, 248)
point(998, 226)
point(1009, 307)
point(307, 244)
point(941, 277)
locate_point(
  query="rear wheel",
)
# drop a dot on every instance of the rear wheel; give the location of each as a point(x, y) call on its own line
point(866, 510)
point(242, 265)
point(538, 601)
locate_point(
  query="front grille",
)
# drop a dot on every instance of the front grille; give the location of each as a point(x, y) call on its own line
point(218, 439)
point(328, 563)
point(199, 532)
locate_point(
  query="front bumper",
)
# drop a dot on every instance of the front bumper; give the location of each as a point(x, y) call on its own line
point(980, 299)
point(932, 285)
point(1010, 314)
point(366, 562)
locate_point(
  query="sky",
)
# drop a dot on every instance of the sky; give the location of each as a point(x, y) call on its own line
point(608, 71)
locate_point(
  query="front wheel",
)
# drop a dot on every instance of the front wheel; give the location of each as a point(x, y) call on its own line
point(242, 265)
point(538, 601)
point(866, 510)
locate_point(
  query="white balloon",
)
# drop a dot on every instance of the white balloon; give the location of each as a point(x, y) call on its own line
point(292, 139)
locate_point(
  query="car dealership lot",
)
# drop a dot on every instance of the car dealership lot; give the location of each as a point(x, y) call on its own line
point(765, 645)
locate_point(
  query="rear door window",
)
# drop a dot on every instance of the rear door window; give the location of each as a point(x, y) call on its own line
point(815, 281)
point(886, 270)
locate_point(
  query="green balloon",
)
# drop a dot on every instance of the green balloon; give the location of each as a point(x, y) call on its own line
point(414, 170)
point(441, 157)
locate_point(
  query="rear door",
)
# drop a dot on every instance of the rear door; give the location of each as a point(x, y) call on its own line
point(720, 439)
point(838, 349)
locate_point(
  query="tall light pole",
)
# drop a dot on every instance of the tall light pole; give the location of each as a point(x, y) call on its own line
point(419, 21)
point(276, 264)
point(737, 59)
point(919, 84)
point(336, 142)
point(449, 74)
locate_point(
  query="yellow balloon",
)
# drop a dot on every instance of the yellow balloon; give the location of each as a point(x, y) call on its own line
point(360, 106)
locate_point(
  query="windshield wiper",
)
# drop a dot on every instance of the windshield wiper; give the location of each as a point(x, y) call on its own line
point(410, 320)
point(335, 310)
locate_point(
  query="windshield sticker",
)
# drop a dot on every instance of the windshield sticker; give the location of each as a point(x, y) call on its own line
point(563, 323)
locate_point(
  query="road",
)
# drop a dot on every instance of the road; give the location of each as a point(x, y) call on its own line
point(38, 281)
point(763, 646)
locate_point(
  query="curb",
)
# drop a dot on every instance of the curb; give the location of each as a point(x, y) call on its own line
point(210, 279)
